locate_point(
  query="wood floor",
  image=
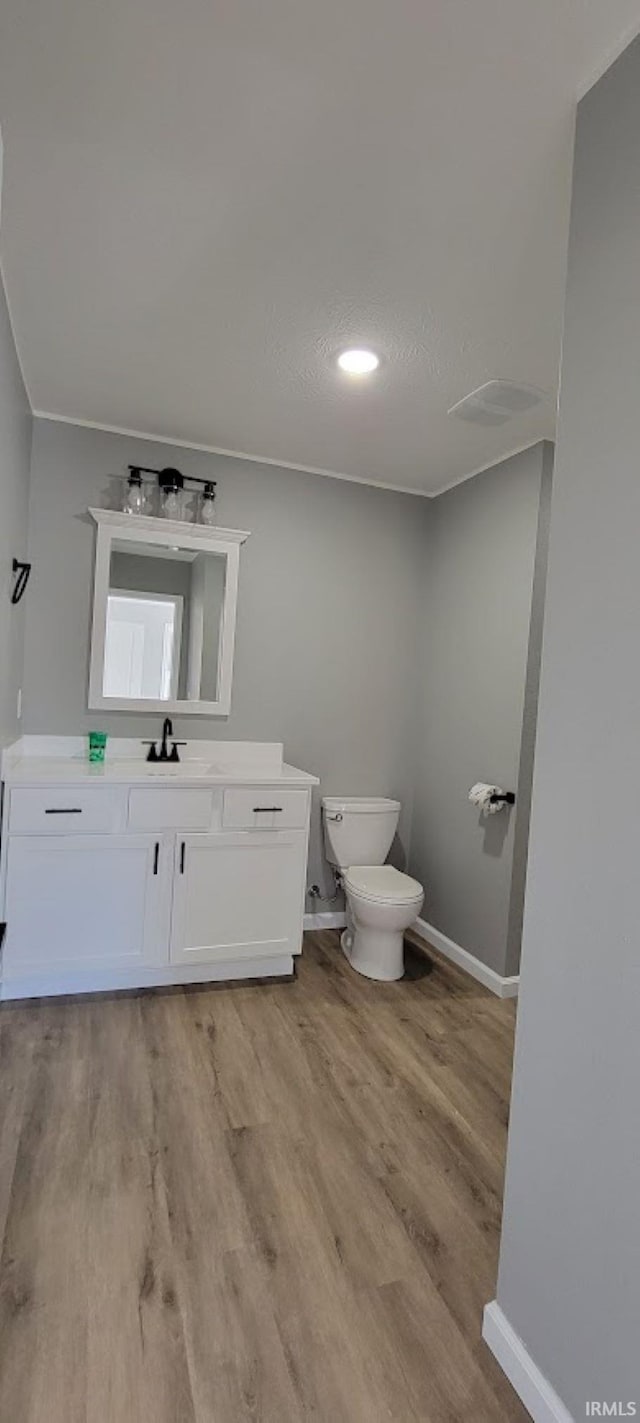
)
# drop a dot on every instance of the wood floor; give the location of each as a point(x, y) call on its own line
point(264, 1202)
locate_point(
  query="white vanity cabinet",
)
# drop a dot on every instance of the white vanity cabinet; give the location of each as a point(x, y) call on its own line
point(237, 894)
point(78, 902)
point(106, 884)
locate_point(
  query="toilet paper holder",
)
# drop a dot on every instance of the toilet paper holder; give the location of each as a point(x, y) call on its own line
point(507, 798)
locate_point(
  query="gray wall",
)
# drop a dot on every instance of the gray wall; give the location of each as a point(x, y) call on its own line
point(478, 580)
point(569, 1278)
point(15, 444)
point(327, 612)
point(529, 720)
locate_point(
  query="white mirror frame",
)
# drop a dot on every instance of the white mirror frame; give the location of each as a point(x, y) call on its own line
point(163, 533)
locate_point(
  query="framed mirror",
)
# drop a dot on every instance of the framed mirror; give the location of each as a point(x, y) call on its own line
point(164, 613)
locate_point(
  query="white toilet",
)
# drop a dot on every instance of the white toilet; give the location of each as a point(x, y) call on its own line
point(381, 902)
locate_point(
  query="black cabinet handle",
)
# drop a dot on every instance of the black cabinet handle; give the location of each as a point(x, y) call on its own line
point(271, 809)
point(182, 850)
point(156, 855)
point(64, 810)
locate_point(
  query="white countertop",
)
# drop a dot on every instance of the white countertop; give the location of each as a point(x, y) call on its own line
point(34, 771)
point(238, 764)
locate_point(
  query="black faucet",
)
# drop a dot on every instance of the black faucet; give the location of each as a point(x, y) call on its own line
point(164, 754)
point(167, 730)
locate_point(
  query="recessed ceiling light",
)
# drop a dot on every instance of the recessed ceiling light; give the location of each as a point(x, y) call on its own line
point(358, 362)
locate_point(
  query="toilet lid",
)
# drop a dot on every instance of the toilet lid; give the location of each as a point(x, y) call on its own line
point(382, 882)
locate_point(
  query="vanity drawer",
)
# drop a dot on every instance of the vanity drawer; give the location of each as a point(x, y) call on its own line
point(66, 810)
point(164, 809)
point(264, 808)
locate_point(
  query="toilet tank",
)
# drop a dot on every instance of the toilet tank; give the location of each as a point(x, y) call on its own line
point(358, 830)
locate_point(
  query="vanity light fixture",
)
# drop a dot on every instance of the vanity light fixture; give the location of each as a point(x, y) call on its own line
point(173, 490)
point(358, 362)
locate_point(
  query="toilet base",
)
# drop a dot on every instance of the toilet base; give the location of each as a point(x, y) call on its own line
point(376, 954)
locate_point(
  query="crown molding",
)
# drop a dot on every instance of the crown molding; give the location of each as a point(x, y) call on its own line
point(287, 464)
point(608, 59)
point(183, 444)
point(491, 464)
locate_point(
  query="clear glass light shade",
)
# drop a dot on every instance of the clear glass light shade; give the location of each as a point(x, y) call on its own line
point(172, 503)
point(207, 506)
point(135, 498)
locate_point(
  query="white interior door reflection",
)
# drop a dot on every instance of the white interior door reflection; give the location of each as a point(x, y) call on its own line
point(143, 645)
point(163, 619)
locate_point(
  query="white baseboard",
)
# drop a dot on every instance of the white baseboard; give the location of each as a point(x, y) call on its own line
point(531, 1386)
point(502, 987)
point(328, 920)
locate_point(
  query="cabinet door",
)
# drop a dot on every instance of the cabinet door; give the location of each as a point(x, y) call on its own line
point(82, 902)
point(238, 895)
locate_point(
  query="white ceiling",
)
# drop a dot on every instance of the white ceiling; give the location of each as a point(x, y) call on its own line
point(205, 201)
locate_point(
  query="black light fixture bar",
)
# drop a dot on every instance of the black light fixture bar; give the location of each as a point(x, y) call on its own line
point(167, 477)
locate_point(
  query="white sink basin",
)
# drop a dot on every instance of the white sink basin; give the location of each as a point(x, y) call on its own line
point(161, 770)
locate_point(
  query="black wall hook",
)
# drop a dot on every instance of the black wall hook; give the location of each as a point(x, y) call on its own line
point(22, 573)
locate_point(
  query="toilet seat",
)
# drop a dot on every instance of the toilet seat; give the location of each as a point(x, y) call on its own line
point(382, 884)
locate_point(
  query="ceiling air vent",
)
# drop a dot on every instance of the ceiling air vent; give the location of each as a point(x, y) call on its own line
point(496, 402)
